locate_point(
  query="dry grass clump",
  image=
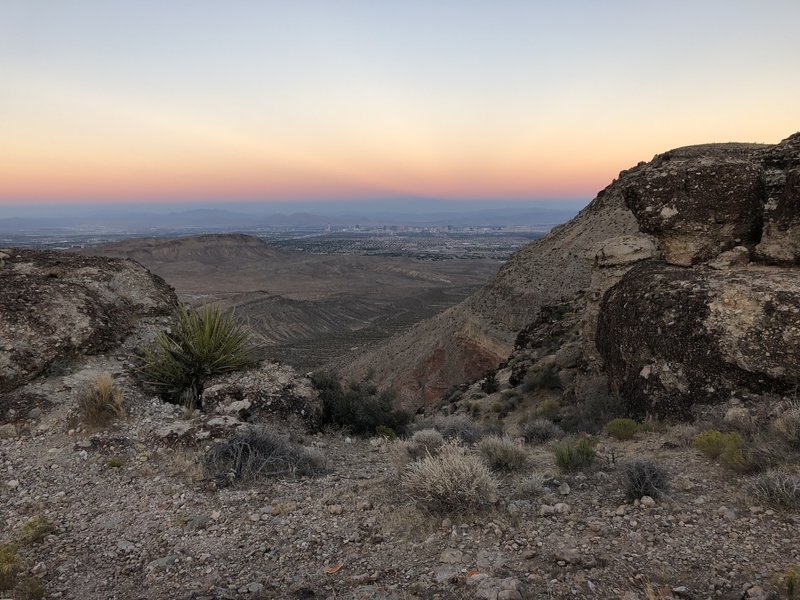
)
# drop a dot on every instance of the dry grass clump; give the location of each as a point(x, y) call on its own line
point(644, 478)
point(530, 487)
point(425, 442)
point(540, 431)
point(457, 427)
point(575, 455)
point(502, 453)
point(35, 529)
point(100, 403)
point(451, 481)
point(787, 425)
point(778, 488)
point(258, 453)
point(10, 567)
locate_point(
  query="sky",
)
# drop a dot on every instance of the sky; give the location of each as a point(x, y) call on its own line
point(126, 101)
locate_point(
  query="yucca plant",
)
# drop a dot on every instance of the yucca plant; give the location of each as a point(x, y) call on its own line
point(202, 344)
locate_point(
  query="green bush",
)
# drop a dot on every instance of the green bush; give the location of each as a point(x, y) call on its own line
point(713, 443)
point(574, 455)
point(203, 344)
point(360, 407)
point(644, 478)
point(502, 454)
point(622, 429)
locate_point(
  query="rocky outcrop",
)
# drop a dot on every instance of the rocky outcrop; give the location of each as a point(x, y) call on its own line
point(55, 306)
point(673, 337)
point(715, 206)
point(698, 201)
point(780, 239)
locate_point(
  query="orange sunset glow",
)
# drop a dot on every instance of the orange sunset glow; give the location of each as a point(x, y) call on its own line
point(511, 100)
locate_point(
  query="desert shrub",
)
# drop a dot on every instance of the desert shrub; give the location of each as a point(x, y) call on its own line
point(458, 426)
point(791, 581)
point(430, 440)
point(593, 408)
point(622, 429)
point(574, 455)
point(202, 344)
point(425, 442)
point(10, 567)
point(644, 478)
point(101, 402)
point(540, 431)
point(29, 588)
point(34, 530)
point(530, 486)
point(489, 385)
point(258, 453)
point(787, 425)
point(502, 453)
point(386, 432)
point(450, 481)
point(541, 378)
point(549, 408)
point(738, 459)
point(360, 407)
point(778, 488)
point(713, 443)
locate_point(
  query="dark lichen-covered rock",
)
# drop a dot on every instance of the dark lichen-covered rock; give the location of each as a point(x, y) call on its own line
point(54, 306)
point(700, 200)
point(672, 337)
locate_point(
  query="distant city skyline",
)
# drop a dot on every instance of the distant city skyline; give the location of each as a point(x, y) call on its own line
point(151, 102)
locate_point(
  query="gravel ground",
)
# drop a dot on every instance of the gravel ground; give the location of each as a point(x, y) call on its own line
point(134, 517)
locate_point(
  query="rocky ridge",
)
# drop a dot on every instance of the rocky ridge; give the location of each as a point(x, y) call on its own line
point(727, 212)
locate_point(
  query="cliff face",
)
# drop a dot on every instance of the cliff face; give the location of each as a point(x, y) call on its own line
point(54, 306)
point(721, 205)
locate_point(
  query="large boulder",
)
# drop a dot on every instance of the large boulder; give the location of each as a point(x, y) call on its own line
point(699, 201)
point(673, 337)
point(56, 305)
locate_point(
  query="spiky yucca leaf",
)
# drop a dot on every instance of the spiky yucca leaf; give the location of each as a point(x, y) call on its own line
point(203, 344)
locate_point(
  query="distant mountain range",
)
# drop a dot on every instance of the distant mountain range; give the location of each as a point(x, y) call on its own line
point(214, 219)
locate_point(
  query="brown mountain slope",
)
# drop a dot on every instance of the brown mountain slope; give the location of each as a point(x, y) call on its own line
point(469, 338)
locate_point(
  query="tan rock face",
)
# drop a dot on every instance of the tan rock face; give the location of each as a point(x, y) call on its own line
point(673, 337)
point(57, 305)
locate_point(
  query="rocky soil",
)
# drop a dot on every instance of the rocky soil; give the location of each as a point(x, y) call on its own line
point(134, 516)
